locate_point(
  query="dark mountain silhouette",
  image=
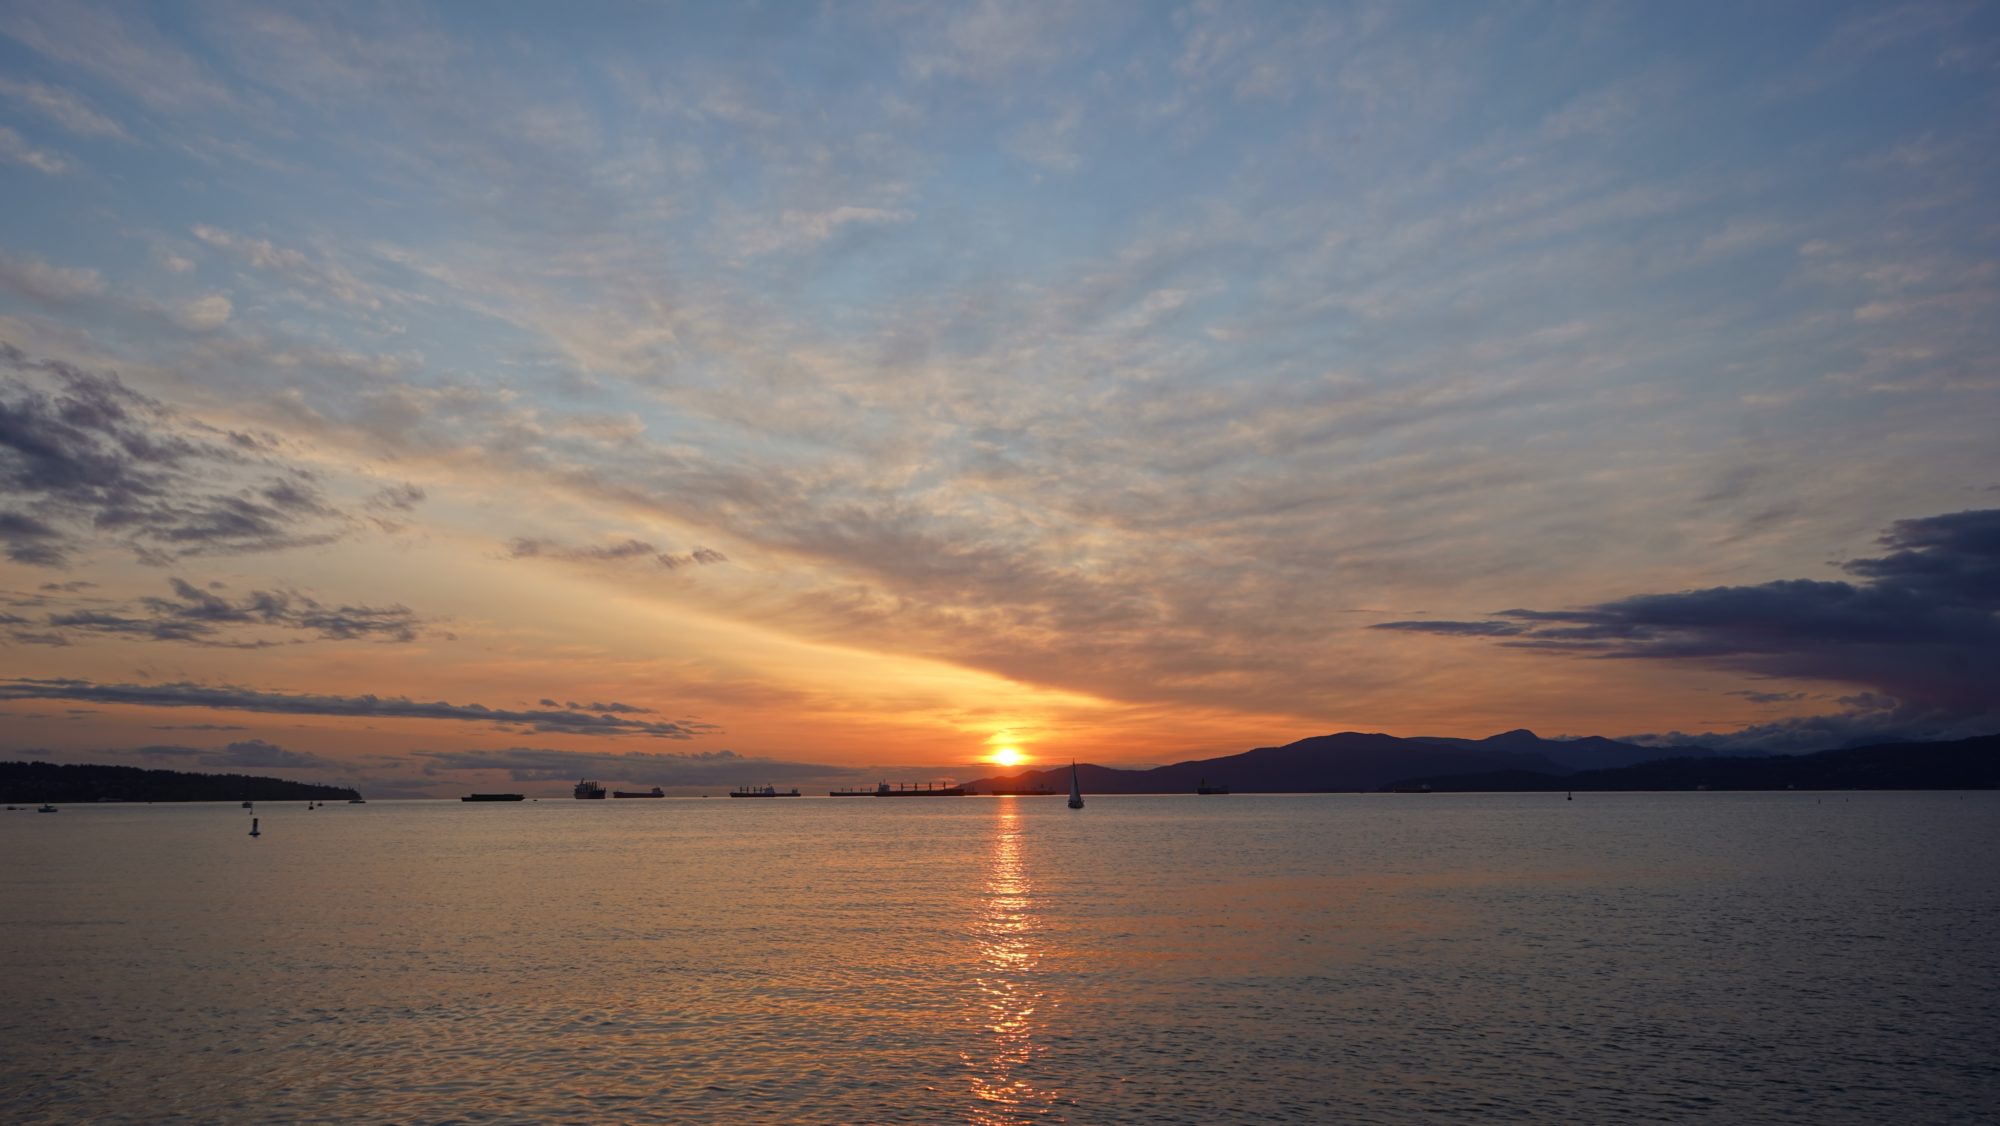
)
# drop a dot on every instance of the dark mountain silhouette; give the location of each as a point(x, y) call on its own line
point(53, 782)
point(1592, 752)
point(1350, 760)
point(1961, 764)
point(1522, 760)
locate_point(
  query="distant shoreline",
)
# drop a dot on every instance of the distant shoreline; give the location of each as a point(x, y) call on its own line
point(87, 782)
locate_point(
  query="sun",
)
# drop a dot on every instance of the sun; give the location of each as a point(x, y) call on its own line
point(1007, 756)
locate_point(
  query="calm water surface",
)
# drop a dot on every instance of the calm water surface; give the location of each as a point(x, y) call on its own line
point(1390, 958)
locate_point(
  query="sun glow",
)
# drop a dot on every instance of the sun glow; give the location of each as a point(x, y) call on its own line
point(1007, 756)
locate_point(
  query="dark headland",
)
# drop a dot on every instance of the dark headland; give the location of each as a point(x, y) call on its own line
point(1354, 761)
point(54, 782)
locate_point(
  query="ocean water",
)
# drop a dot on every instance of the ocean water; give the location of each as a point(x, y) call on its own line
point(1329, 958)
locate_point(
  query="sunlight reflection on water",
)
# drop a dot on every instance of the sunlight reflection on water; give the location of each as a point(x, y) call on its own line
point(1010, 937)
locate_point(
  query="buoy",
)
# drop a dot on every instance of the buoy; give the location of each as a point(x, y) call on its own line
point(253, 828)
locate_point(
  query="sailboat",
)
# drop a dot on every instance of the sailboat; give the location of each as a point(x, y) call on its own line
point(1075, 791)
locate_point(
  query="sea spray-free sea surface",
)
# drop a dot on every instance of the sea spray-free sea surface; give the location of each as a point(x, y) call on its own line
point(1325, 958)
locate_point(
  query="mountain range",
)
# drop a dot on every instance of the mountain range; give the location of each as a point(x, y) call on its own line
point(1522, 760)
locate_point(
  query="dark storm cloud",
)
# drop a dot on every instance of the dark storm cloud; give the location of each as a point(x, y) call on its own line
point(185, 695)
point(1920, 629)
point(196, 616)
point(538, 764)
point(527, 548)
point(95, 459)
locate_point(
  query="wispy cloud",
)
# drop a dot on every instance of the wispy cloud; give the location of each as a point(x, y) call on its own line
point(65, 107)
point(120, 48)
point(14, 149)
point(209, 617)
point(185, 695)
point(527, 548)
point(316, 273)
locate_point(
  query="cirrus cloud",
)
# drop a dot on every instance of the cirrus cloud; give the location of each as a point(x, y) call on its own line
point(229, 698)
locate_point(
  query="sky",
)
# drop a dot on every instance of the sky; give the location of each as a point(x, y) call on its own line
point(425, 398)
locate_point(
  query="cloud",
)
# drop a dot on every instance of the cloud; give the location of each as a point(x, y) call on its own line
point(31, 541)
point(988, 41)
point(14, 148)
point(32, 277)
point(594, 706)
point(404, 497)
point(796, 228)
point(65, 108)
point(314, 273)
point(1769, 697)
point(204, 314)
point(227, 698)
point(1920, 631)
point(202, 617)
point(246, 754)
point(1458, 629)
point(1133, 437)
point(96, 460)
point(132, 55)
point(530, 548)
point(167, 751)
point(1051, 144)
point(258, 753)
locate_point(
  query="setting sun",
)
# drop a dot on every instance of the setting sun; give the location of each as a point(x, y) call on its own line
point(1006, 756)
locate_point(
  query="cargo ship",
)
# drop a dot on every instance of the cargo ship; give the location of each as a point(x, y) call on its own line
point(655, 792)
point(905, 790)
point(494, 797)
point(763, 792)
point(588, 789)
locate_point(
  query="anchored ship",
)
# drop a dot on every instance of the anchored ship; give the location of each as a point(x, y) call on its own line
point(905, 790)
